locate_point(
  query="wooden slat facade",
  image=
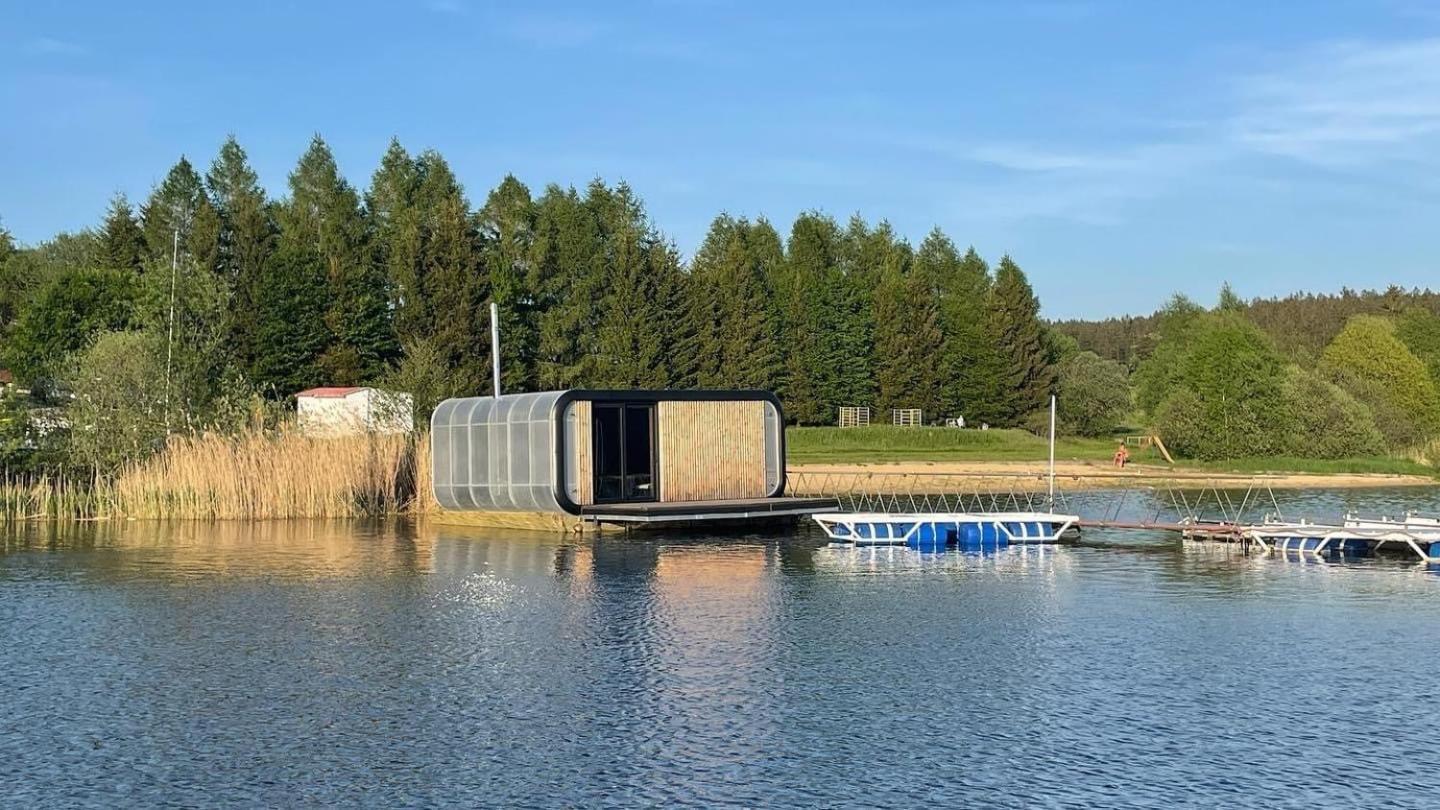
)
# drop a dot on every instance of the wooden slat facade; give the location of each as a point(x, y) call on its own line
point(583, 451)
point(711, 450)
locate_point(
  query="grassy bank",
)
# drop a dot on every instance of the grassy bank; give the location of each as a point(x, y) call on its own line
point(254, 476)
point(883, 444)
point(877, 444)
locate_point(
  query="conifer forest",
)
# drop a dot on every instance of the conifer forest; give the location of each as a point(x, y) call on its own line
point(210, 303)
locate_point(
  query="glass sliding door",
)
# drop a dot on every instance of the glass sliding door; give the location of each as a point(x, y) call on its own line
point(624, 452)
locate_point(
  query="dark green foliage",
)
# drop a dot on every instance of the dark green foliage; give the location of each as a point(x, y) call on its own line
point(1326, 421)
point(1225, 401)
point(1301, 325)
point(245, 240)
point(64, 316)
point(322, 220)
point(1093, 397)
point(568, 280)
point(732, 311)
point(1026, 375)
point(423, 373)
point(1419, 330)
point(290, 331)
point(456, 291)
point(815, 311)
point(396, 221)
point(25, 447)
point(507, 233)
point(908, 343)
point(171, 211)
point(122, 243)
point(633, 342)
point(969, 359)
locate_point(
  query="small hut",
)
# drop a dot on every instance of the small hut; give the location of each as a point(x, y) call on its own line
point(577, 457)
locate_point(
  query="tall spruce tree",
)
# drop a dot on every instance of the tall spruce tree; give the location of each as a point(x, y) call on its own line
point(908, 342)
point(456, 290)
point(969, 361)
point(507, 233)
point(872, 255)
point(122, 242)
point(1014, 316)
point(568, 281)
point(246, 240)
point(170, 211)
point(396, 222)
point(290, 334)
point(736, 341)
point(632, 341)
point(323, 219)
point(815, 310)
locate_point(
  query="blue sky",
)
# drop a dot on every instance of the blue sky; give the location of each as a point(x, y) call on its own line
point(1120, 151)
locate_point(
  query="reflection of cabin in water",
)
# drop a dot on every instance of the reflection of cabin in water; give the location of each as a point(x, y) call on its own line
point(564, 458)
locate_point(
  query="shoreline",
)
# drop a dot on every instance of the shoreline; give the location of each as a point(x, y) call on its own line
point(809, 478)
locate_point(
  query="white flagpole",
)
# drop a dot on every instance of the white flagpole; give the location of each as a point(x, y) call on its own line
point(1052, 451)
point(495, 345)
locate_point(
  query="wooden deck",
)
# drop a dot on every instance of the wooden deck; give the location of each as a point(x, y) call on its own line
point(735, 509)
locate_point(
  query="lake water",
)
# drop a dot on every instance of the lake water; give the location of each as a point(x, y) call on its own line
point(387, 665)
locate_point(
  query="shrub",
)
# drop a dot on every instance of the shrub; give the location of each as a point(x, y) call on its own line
point(1372, 363)
point(1326, 421)
point(1094, 395)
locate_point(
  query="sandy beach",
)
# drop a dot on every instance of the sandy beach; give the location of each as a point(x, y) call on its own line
point(826, 478)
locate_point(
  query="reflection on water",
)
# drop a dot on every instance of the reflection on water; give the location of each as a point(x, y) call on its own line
point(384, 664)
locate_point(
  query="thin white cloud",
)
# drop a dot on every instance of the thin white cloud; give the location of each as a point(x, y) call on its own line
point(550, 31)
point(1365, 108)
point(1345, 105)
point(50, 46)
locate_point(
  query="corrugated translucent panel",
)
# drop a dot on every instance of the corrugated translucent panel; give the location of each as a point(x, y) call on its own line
point(572, 437)
point(774, 464)
point(495, 455)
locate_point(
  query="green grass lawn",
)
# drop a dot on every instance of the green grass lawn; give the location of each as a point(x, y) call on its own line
point(811, 445)
point(878, 444)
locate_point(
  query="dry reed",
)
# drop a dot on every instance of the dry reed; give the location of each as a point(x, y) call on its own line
point(253, 475)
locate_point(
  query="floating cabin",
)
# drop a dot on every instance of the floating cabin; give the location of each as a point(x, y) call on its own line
point(579, 458)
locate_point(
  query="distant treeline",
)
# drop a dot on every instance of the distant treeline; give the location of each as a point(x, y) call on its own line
point(1301, 325)
point(332, 285)
point(1355, 374)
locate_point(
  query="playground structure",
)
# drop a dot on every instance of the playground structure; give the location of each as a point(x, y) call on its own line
point(907, 417)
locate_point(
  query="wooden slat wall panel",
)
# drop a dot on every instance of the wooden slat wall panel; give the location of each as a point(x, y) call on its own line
point(711, 450)
point(582, 452)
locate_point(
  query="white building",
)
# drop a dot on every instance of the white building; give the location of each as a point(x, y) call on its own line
point(348, 411)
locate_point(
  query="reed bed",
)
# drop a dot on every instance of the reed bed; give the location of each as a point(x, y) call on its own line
point(54, 498)
point(250, 476)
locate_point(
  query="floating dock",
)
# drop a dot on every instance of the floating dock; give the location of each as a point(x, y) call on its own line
point(938, 530)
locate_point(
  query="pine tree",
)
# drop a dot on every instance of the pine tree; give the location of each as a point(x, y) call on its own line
point(816, 319)
point(969, 363)
point(908, 343)
point(246, 240)
point(396, 222)
point(632, 347)
point(171, 209)
point(456, 291)
point(322, 220)
point(568, 270)
point(736, 335)
point(290, 331)
point(507, 232)
point(122, 242)
point(1014, 317)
